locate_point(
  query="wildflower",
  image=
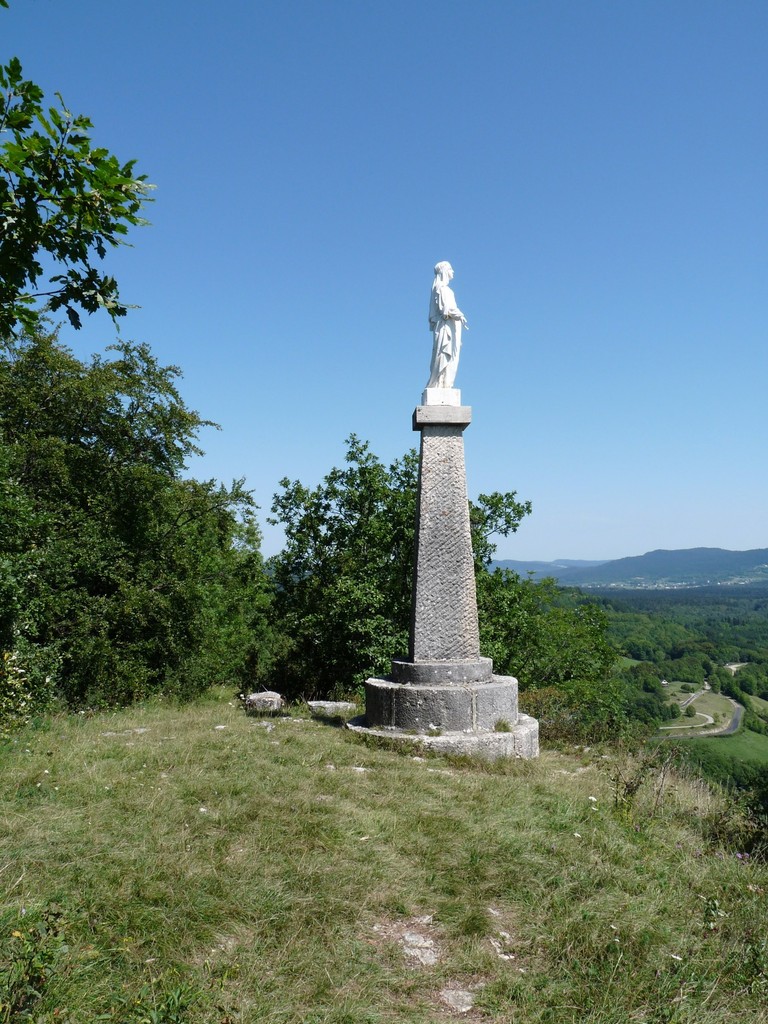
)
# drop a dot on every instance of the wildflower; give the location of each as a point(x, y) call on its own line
point(577, 835)
point(592, 799)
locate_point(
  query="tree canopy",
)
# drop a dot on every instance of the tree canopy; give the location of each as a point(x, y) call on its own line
point(118, 577)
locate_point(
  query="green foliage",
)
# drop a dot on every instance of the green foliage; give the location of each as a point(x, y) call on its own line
point(494, 514)
point(739, 761)
point(63, 202)
point(118, 578)
point(30, 952)
point(25, 689)
point(712, 625)
point(343, 580)
point(531, 633)
point(580, 710)
point(148, 1006)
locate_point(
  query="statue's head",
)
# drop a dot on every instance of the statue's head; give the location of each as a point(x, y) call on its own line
point(444, 270)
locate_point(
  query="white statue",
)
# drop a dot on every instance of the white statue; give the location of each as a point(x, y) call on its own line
point(446, 321)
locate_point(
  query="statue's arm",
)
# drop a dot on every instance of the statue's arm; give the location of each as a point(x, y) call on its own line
point(446, 303)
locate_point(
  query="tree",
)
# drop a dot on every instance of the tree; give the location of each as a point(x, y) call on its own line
point(343, 580)
point(531, 634)
point(63, 202)
point(118, 577)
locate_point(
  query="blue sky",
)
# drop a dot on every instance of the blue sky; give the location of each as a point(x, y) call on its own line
point(597, 174)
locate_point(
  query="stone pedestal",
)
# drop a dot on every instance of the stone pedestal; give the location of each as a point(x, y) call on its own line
point(444, 694)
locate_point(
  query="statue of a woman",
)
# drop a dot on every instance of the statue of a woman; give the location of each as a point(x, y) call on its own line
point(446, 321)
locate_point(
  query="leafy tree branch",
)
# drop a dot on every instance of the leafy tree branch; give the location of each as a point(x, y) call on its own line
point(63, 203)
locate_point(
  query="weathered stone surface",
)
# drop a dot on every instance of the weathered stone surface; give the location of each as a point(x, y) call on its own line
point(459, 999)
point(444, 615)
point(331, 708)
point(442, 672)
point(267, 702)
point(450, 708)
point(522, 740)
point(436, 414)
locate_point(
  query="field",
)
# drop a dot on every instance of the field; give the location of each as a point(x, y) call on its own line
point(194, 866)
point(744, 745)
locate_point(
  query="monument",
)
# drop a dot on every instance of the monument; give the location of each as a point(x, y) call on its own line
point(444, 694)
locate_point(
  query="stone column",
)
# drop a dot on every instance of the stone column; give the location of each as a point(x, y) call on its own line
point(444, 694)
point(444, 610)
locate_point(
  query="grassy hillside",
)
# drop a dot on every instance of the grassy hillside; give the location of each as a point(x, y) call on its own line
point(744, 745)
point(165, 865)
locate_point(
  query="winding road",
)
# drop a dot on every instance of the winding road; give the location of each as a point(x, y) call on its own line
point(703, 730)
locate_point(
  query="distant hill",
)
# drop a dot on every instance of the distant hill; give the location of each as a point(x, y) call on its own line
point(688, 567)
point(542, 569)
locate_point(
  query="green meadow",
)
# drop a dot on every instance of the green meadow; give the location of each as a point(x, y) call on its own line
point(169, 864)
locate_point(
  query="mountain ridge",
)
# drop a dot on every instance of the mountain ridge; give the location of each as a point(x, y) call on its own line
point(662, 568)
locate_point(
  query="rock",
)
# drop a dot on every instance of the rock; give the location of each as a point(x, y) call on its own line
point(265, 703)
point(420, 948)
point(460, 1000)
point(331, 708)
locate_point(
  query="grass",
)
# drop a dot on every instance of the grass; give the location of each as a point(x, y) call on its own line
point(760, 706)
point(744, 745)
point(167, 865)
point(714, 704)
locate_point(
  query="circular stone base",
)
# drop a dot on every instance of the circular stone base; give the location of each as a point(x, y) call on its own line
point(449, 707)
point(521, 741)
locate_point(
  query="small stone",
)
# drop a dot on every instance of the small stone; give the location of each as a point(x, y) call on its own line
point(458, 999)
point(331, 708)
point(267, 702)
point(422, 954)
point(499, 950)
